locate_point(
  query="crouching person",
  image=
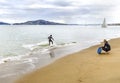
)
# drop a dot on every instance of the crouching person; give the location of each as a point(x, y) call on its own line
point(105, 48)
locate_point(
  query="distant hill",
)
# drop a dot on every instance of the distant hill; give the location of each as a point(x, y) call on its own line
point(39, 22)
point(3, 23)
point(114, 24)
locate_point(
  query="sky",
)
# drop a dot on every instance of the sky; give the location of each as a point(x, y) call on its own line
point(63, 11)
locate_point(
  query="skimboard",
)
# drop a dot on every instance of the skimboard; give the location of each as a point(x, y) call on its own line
point(99, 50)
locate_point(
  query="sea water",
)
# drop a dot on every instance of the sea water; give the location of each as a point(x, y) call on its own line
point(17, 40)
point(26, 46)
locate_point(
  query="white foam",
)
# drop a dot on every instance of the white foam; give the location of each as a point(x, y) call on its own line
point(29, 46)
point(7, 59)
point(34, 46)
point(42, 43)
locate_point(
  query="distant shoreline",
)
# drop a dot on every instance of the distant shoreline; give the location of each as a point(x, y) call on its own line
point(44, 22)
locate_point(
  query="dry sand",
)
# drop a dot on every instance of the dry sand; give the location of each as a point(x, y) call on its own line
point(85, 66)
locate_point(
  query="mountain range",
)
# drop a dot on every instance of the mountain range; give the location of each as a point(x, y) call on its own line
point(36, 22)
point(3, 23)
point(39, 22)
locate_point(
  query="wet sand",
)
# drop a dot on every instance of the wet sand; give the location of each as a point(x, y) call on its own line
point(85, 66)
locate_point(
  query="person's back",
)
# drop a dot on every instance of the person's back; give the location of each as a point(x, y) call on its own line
point(49, 38)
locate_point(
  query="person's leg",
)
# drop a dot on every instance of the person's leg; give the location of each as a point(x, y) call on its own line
point(104, 49)
point(107, 50)
point(52, 41)
point(49, 42)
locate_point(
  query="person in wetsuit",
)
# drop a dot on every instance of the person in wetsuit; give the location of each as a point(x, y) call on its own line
point(50, 39)
point(106, 46)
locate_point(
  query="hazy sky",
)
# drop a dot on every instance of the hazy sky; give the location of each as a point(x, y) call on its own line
point(65, 11)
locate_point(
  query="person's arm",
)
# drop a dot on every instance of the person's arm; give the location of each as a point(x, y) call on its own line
point(52, 38)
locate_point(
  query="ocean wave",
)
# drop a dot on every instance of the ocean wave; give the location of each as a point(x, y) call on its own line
point(36, 45)
point(41, 47)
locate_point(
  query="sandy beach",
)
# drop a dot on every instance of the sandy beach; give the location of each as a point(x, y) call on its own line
point(85, 66)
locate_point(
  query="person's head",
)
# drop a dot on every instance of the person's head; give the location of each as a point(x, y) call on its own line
point(50, 35)
point(105, 41)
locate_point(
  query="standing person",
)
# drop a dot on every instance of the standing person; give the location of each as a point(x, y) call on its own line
point(106, 46)
point(50, 39)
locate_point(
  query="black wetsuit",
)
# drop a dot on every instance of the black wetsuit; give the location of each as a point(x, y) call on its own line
point(106, 47)
point(50, 38)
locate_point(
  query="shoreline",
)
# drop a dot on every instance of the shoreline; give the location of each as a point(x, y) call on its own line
point(85, 66)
